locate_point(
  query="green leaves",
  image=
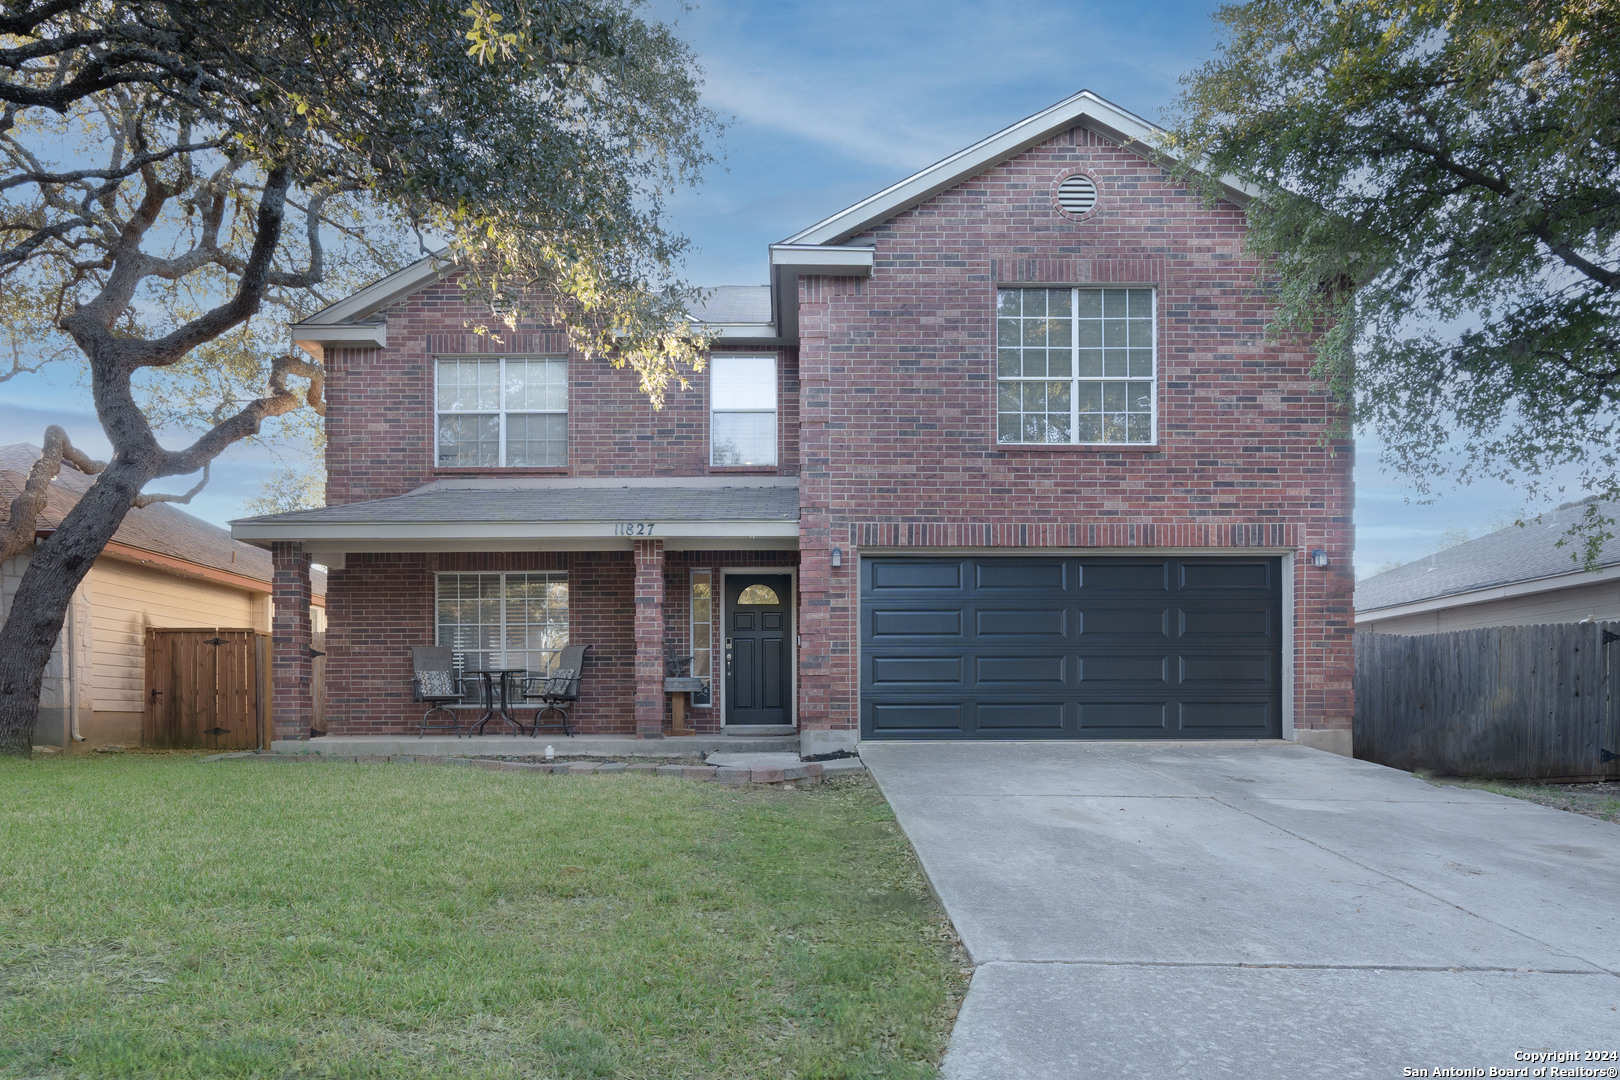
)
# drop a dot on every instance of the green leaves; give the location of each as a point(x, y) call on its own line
point(1442, 193)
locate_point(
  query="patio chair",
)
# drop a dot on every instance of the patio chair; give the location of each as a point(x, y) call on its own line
point(435, 682)
point(559, 691)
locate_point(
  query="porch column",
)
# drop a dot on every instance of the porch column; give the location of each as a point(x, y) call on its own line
point(649, 639)
point(292, 702)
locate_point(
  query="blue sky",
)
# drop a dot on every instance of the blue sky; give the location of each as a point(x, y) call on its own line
point(829, 102)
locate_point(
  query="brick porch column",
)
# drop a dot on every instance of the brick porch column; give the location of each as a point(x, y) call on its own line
point(649, 639)
point(292, 702)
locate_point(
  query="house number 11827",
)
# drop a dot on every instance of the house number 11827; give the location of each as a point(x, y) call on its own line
point(633, 528)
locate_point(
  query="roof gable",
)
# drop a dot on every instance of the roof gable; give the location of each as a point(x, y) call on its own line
point(1083, 109)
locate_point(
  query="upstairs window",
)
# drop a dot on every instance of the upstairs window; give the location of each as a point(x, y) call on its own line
point(1076, 366)
point(508, 411)
point(742, 416)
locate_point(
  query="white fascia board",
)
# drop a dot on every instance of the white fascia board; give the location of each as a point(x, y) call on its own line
point(740, 331)
point(833, 261)
point(1495, 592)
point(379, 294)
point(473, 535)
point(969, 162)
point(340, 337)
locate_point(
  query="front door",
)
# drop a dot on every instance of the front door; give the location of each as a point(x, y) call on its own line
point(759, 680)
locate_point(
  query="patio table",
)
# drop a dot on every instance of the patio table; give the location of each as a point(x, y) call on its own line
point(489, 677)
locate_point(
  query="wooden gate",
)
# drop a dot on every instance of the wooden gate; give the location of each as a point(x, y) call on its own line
point(205, 688)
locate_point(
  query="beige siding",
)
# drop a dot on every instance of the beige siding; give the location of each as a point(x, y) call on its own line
point(127, 598)
point(1600, 601)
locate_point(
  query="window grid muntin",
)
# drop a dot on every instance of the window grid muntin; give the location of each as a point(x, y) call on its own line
point(496, 634)
point(1058, 349)
point(702, 641)
point(767, 420)
point(490, 383)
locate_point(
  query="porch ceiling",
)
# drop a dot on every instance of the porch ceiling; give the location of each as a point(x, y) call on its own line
point(483, 515)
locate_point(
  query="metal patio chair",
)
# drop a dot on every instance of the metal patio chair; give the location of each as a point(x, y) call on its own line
point(559, 691)
point(435, 682)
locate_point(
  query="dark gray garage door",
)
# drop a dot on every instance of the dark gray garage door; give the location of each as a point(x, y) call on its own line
point(1070, 648)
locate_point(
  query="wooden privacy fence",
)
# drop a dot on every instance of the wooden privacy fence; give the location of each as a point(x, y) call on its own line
point(1508, 702)
point(205, 688)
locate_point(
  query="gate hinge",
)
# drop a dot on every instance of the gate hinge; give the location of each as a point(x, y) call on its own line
point(1609, 635)
point(217, 731)
point(313, 653)
point(216, 642)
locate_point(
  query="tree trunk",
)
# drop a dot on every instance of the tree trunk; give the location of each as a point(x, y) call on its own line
point(38, 610)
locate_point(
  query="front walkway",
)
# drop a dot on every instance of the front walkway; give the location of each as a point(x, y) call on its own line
point(1254, 910)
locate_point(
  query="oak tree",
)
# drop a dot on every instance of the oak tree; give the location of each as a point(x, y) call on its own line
point(1438, 186)
point(178, 177)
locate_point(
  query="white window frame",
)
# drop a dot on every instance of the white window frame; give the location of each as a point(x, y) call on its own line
point(704, 648)
point(500, 410)
point(775, 411)
point(1074, 378)
point(471, 697)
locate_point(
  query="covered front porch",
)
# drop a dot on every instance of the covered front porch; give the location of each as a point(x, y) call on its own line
point(698, 572)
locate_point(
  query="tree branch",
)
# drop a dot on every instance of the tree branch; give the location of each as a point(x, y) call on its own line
point(281, 400)
point(18, 531)
point(148, 500)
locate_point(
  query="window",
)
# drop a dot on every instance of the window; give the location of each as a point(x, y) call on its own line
point(503, 620)
point(1075, 366)
point(507, 411)
point(758, 596)
point(742, 418)
point(703, 632)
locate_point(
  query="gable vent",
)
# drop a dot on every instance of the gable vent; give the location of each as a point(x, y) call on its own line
point(1077, 195)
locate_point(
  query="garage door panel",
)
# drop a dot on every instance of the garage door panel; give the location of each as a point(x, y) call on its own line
point(935, 718)
point(1135, 577)
point(900, 623)
point(1021, 670)
point(1123, 716)
point(1021, 575)
point(1233, 717)
point(907, 574)
point(1226, 624)
point(1100, 622)
point(1004, 716)
point(1058, 648)
point(1023, 623)
point(1221, 672)
point(1153, 670)
point(1215, 576)
point(913, 671)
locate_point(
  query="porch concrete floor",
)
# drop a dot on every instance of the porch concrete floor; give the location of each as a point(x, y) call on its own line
point(593, 746)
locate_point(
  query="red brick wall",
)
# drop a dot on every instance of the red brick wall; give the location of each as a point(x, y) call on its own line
point(898, 444)
point(380, 423)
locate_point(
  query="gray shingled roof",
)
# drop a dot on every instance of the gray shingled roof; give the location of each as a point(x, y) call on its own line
point(161, 528)
point(472, 505)
point(1504, 557)
point(736, 304)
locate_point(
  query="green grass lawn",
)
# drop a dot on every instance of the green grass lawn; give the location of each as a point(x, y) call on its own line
point(165, 917)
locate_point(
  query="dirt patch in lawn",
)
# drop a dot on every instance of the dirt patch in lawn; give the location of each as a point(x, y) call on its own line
point(1599, 800)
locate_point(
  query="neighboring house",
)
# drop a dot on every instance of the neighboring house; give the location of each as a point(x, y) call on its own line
point(999, 452)
point(1515, 576)
point(163, 568)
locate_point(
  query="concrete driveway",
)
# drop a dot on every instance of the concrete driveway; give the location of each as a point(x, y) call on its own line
point(1256, 910)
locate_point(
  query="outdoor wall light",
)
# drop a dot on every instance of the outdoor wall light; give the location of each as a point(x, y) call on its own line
point(837, 557)
point(1319, 557)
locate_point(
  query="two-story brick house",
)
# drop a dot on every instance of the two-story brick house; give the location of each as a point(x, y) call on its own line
point(1000, 452)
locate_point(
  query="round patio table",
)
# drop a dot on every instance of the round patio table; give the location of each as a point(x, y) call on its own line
point(490, 676)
